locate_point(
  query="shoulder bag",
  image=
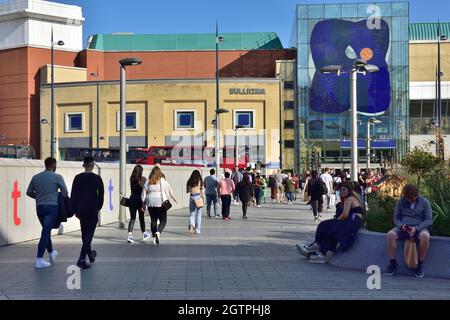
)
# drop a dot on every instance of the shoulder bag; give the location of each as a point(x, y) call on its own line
point(166, 205)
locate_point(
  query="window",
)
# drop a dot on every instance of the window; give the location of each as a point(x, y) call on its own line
point(74, 122)
point(289, 105)
point(185, 120)
point(131, 121)
point(289, 85)
point(289, 144)
point(244, 119)
point(289, 124)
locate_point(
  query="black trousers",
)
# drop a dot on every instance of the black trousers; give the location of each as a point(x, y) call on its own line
point(317, 205)
point(157, 213)
point(133, 211)
point(226, 203)
point(88, 226)
point(244, 208)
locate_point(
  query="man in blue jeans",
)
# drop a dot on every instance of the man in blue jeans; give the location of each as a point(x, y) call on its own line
point(413, 216)
point(211, 193)
point(44, 188)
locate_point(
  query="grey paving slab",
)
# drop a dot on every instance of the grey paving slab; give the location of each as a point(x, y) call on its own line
point(246, 260)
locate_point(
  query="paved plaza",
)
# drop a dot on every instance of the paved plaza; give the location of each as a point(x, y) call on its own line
point(243, 260)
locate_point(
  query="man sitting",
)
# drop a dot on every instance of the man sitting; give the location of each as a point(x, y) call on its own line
point(412, 217)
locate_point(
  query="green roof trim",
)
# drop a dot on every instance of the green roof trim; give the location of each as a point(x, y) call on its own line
point(427, 31)
point(184, 42)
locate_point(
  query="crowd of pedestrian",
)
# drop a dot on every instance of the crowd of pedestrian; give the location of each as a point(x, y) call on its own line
point(321, 191)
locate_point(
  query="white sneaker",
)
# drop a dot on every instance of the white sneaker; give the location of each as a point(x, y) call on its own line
point(217, 217)
point(41, 263)
point(259, 206)
point(145, 236)
point(130, 238)
point(53, 256)
point(320, 258)
point(157, 237)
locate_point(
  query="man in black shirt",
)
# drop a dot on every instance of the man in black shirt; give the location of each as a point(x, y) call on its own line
point(87, 197)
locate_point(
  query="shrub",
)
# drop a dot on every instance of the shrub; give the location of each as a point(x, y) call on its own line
point(419, 162)
point(380, 216)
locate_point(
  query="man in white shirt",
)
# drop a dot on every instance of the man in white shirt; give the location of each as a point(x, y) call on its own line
point(328, 180)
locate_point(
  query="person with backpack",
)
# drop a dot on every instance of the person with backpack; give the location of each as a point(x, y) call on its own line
point(87, 198)
point(44, 188)
point(211, 184)
point(316, 190)
point(137, 182)
point(246, 193)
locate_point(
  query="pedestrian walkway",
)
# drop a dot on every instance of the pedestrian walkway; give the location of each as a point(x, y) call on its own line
point(253, 259)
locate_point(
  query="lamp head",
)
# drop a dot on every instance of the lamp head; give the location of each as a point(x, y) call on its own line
point(44, 121)
point(130, 62)
point(331, 69)
point(443, 38)
point(219, 111)
point(60, 43)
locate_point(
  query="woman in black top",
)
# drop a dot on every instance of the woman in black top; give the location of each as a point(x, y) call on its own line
point(137, 182)
point(246, 193)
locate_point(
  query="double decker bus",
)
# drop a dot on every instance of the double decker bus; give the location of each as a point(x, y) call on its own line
point(195, 156)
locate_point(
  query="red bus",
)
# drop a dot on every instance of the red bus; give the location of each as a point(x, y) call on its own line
point(194, 157)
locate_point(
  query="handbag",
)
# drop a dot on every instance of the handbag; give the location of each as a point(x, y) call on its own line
point(410, 254)
point(125, 202)
point(199, 203)
point(166, 205)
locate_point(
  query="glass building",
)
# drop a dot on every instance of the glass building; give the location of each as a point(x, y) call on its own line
point(337, 34)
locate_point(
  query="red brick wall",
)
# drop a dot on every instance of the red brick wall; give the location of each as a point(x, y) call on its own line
point(186, 64)
point(19, 92)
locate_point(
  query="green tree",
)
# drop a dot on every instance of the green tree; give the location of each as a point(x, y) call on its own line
point(418, 162)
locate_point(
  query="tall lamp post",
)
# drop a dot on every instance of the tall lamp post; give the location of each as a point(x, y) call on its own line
point(359, 66)
point(439, 75)
point(371, 122)
point(237, 144)
point(123, 154)
point(52, 110)
point(96, 76)
point(219, 111)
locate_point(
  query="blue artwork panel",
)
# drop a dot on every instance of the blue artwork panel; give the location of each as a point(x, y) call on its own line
point(340, 42)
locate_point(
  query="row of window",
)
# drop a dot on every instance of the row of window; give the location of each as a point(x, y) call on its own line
point(184, 120)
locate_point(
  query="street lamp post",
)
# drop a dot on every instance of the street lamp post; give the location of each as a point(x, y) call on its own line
point(439, 94)
point(371, 122)
point(359, 66)
point(218, 110)
point(123, 153)
point(237, 144)
point(52, 107)
point(96, 76)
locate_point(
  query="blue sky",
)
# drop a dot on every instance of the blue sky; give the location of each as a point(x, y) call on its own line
point(192, 16)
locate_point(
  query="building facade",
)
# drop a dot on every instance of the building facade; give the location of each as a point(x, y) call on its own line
point(166, 113)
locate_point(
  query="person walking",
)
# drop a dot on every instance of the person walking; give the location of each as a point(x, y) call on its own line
point(259, 185)
point(44, 188)
point(279, 186)
point(328, 181)
point(211, 184)
point(316, 190)
point(236, 176)
point(156, 191)
point(290, 188)
point(87, 198)
point(273, 190)
point(137, 182)
point(194, 187)
point(226, 189)
point(246, 192)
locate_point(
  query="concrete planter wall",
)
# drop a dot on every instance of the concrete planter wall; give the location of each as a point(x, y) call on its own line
point(18, 220)
point(370, 248)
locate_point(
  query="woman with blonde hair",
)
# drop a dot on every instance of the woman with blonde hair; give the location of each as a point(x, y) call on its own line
point(155, 193)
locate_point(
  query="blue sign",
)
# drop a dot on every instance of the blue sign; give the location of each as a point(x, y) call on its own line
point(376, 144)
point(110, 189)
